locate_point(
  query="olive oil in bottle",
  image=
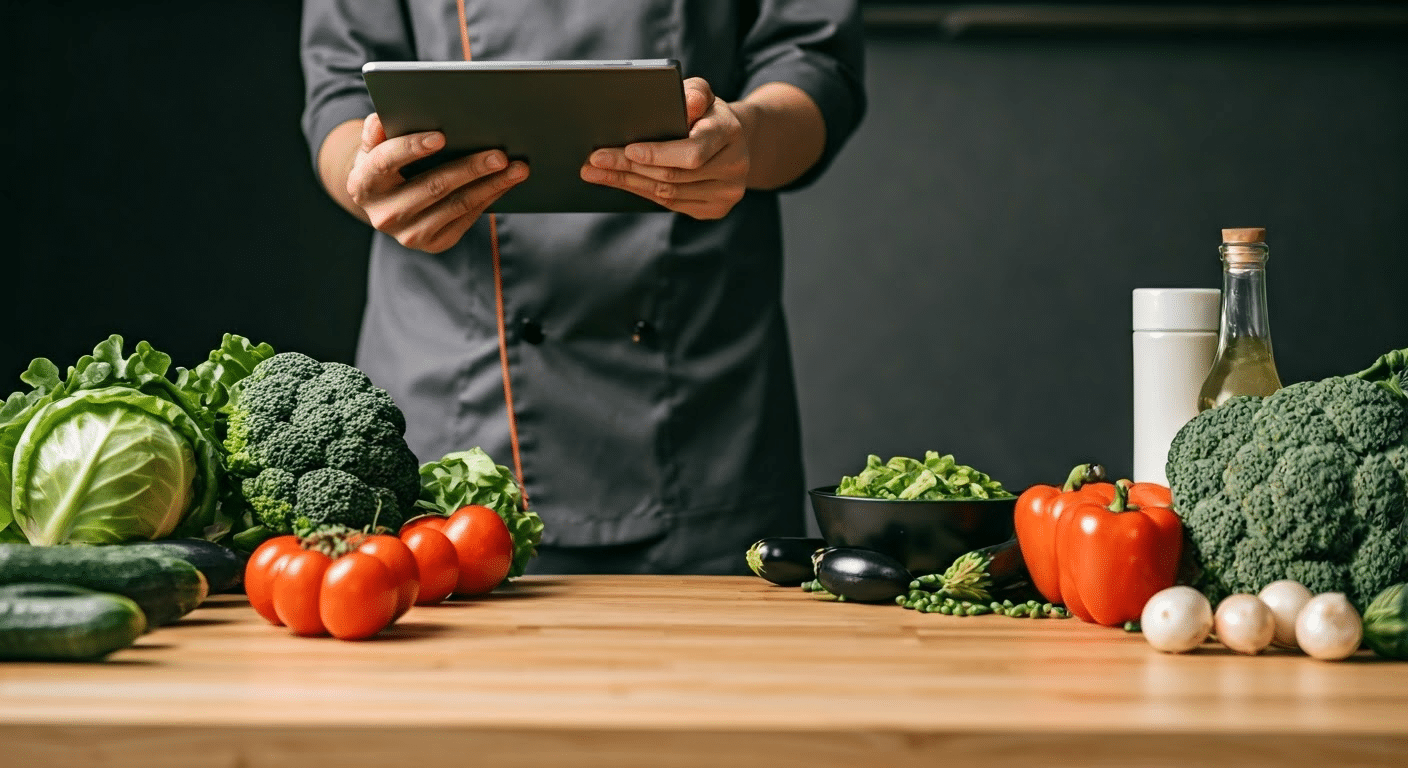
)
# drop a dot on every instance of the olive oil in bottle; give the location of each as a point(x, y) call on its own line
point(1244, 364)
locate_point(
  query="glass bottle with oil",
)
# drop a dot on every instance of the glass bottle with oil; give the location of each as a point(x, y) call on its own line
point(1244, 364)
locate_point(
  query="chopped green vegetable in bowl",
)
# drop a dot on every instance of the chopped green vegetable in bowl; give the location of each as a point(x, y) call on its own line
point(935, 478)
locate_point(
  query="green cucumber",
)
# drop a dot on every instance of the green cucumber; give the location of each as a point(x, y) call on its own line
point(223, 567)
point(165, 588)
point(61, 622)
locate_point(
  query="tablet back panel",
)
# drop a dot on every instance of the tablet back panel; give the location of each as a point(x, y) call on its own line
point(551, 115)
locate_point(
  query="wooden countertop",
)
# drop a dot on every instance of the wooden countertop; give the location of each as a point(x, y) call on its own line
point(681, 671)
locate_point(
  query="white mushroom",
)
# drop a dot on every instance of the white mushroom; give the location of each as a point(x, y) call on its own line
point(1244, 624)
point(1176, 619)
point(1285, 598)
point(1328, 627)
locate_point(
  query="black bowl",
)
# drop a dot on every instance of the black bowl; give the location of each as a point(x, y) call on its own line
point(925, 536)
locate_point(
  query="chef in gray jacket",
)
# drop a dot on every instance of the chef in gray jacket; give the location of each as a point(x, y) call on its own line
point(633, 367)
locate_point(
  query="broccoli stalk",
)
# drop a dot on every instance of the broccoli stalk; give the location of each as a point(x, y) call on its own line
point(1390, 371)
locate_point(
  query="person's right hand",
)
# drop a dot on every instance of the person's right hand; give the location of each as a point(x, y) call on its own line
point(431, 211)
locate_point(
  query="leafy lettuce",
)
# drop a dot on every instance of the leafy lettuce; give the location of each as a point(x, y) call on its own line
point(471, 477)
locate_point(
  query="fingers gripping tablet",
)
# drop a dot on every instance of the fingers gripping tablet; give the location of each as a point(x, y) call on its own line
point(549, 114)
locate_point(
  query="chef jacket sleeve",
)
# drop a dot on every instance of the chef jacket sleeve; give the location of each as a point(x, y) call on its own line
point(818, 46)
point(338, 37)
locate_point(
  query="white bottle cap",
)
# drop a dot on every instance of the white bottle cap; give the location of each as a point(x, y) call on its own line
point(1177, 309)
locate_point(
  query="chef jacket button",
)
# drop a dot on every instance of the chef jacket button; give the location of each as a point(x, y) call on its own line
point(642, 332)
point(530, 331)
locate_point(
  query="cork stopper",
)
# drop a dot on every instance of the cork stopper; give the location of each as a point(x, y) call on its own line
point(1244, 246)
point(1244, 235)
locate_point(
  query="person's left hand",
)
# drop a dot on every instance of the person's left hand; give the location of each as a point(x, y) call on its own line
point(703, 175)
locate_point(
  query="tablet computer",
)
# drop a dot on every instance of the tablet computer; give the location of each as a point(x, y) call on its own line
point(550, 114)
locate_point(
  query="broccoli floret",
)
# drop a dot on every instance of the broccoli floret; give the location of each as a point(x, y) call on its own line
point(333, 497)
point(1206, 444)
point(271, 494)
point(318, 441)
point(1310, 483)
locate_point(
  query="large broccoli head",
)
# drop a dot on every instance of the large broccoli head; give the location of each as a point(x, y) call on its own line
point(317, 441)
point(1310, 484)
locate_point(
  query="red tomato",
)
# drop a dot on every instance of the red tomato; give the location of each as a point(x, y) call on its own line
point(430, 521)
point(358, 597)
point(394, 554)
point(437, 563)
point(297, 592)
point(259, 573)
point(484, 547)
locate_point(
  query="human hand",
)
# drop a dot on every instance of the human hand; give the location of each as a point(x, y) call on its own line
point(702, 175)
point(431, 211)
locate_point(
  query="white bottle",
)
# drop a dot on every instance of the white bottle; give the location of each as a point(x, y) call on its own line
point(1175, 340)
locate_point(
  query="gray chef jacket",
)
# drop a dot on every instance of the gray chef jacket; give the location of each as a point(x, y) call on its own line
point(648, 353)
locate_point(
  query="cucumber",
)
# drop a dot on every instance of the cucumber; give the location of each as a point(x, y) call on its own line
point(222, 566)
point(165, 588)
point(61, 622)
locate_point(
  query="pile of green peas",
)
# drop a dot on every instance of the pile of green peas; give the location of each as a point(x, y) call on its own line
point(936, 602)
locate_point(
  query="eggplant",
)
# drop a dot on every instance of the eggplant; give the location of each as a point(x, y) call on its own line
point(861, 575)
point(784, 560)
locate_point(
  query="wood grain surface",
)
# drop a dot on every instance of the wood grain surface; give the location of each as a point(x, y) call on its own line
point(684, 671)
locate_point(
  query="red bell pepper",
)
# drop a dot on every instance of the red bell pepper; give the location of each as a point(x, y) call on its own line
point(1113, 557)
point(1038, 510)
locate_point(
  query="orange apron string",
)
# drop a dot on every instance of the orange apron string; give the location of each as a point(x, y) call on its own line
point(499, 303)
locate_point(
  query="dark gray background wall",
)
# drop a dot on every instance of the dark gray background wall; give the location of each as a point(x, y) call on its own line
point(959, 281)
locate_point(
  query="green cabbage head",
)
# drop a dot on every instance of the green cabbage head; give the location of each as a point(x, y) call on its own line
point(103, 467)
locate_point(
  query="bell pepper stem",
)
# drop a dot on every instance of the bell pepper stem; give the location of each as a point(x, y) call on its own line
point(1082, 474)
point(1121, 500)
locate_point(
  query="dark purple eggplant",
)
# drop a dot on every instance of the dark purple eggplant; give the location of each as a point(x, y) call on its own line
point(784, 560)
point(861, 575)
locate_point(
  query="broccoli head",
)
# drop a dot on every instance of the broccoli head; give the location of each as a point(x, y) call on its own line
point(317, 443)
point(1309, 483)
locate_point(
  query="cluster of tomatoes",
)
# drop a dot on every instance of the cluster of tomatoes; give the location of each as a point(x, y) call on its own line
point(364, 584)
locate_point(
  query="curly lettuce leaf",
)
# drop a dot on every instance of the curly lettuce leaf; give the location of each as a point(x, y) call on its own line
point(471, 477)
point(214, 383)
